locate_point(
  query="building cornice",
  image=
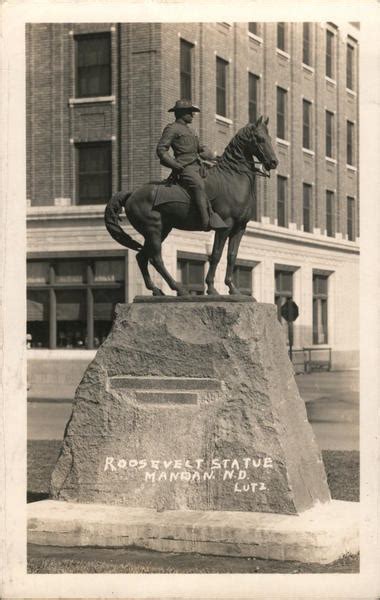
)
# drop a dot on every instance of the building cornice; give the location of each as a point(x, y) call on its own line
point(41, 215)
point(301, 238)
point(44, 213)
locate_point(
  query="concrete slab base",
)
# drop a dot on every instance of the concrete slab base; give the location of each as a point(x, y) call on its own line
point(320, 535)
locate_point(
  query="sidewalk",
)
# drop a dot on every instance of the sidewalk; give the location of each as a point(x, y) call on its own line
point(332, 404)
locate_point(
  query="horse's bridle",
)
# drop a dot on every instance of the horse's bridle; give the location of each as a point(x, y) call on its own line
point(261, 172)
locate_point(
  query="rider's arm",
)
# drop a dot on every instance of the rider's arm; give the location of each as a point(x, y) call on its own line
point(163, 147)
point(205, 152)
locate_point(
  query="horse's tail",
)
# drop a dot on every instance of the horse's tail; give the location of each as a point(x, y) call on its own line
point(111, 219)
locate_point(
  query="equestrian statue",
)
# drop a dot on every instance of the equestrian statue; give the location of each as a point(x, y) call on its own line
point(201, 194)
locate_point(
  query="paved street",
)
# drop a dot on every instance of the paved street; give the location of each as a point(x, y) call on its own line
point(332, 401)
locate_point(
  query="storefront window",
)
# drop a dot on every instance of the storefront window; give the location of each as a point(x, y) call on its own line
point(191, 272)
point(71, 301)
point(109, 270)
point(104, 304)
point(68, 271)
point(71, 311)
point(242, 278)
point(37, 272)
point(38, 317)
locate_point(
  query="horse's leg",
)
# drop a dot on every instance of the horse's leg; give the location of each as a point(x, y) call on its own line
point(220, 238)
point(143, 260)
point(155, 257)
point(233, 247)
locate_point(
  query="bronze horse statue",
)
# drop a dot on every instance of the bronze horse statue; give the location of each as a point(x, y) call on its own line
point(230, 190)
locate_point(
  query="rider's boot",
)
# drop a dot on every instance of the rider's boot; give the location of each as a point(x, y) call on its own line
point(216, 221)
point(209, 219)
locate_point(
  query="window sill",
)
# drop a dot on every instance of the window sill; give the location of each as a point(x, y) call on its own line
point(308, 68)
point(283, 53)
point(333, 161)
point(330, 81)
point(308, 151)
point(224, 28)
point(224, 120)
point(282, 142)
point(352, 168)
point(95, 99)
point(255, 37)
point(351, 92)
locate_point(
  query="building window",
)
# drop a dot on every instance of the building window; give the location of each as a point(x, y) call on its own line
point(350, 67)
point(329, 134)
point(320, 286)
point(93, 62)
point(330, 227)
point(281, 113)
point(306, 43)
point(186, 50)
point(350, 143)
point(351, 218)
point(253, 97)
point(281, 36)
point(191, 273)
point(281, 201)
point(94, 172)
point(253, 28)
point(221, 86)
point(242, 278)
point(306, 124)
point(70, 302)
point(329, 54)
point(283, 290)
point(307, 207)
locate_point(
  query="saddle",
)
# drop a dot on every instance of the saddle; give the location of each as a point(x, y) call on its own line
point(170, 190)
point(167, 191)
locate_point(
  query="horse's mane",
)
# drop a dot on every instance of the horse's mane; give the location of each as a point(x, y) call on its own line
point(234, 159)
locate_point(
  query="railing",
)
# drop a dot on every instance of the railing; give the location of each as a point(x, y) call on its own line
point(317, 359)
point(308, 359)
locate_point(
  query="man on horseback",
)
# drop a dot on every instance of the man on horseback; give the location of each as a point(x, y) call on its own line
point(188, 152)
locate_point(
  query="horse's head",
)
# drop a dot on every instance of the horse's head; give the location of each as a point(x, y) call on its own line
point(260, 145)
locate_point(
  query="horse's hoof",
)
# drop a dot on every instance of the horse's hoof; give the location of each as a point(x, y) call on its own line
point(157, 292)
point(182, 292)
point(212, 292)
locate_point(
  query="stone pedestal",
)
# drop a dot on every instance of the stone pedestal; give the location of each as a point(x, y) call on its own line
point(319, 535)
point(192, 405)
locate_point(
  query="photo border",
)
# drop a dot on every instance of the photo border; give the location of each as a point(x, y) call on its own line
point(16, 583)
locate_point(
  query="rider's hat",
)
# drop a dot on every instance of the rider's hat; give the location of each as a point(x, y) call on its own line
point(184, 105)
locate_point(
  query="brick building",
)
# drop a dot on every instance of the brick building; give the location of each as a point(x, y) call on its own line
point(97, 101)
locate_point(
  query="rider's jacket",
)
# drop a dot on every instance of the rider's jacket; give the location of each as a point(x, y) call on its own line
point(185, 144)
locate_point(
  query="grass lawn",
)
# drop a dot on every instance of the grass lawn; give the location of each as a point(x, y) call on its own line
point(342, 470)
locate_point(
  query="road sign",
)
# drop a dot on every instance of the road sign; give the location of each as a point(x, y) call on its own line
point(289, 311)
